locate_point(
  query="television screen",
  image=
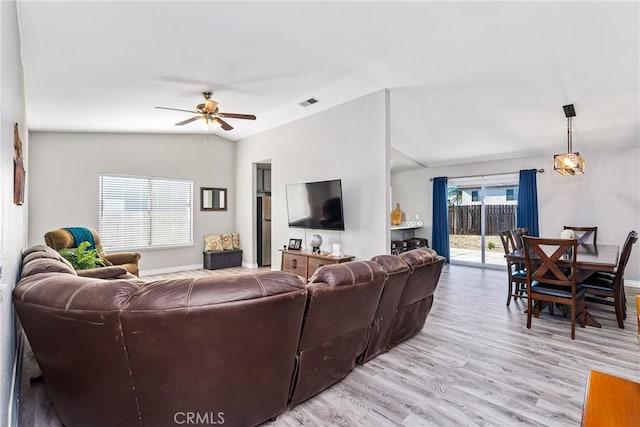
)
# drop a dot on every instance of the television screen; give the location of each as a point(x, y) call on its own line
point(315, 205)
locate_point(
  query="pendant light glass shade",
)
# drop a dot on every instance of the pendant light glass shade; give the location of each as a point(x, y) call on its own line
point(569, 163)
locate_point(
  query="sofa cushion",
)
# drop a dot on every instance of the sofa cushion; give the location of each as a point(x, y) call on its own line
point(38, 248)
point(212, 290)
point(341, 303)
point(73, 324)
point(214, 343)
point(40, 255)
point(347, 274)
point(70, 292)
point(213, 243)
point(46, 265)
point(419, 257)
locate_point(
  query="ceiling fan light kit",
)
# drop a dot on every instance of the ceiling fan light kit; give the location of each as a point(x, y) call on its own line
point(205, 122)
point(569, 163)
point(209, 114)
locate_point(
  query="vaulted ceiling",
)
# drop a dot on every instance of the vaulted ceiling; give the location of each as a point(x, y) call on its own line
point(468, 81)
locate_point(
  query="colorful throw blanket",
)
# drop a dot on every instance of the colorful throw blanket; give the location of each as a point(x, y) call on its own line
point(81, 234)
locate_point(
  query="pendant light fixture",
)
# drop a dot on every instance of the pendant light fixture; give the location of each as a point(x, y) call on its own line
point(569, 163)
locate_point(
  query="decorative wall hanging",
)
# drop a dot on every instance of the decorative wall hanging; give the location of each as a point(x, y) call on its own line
point(18, 169)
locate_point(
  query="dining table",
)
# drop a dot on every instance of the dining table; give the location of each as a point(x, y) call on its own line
point(590, 258)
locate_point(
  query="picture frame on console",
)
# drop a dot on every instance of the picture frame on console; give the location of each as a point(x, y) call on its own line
point(295, 244)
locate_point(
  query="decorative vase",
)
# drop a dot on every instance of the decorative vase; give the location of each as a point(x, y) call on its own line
point(396, 215)
point(337, 250)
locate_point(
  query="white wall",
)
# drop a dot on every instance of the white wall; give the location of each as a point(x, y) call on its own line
point(64, 181)
point(607, 195)
point(347, 142)
point(13, 219)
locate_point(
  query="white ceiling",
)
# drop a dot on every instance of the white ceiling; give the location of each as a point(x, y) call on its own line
point(468, 81)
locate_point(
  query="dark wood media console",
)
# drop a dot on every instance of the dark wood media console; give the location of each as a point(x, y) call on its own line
point(304, 264)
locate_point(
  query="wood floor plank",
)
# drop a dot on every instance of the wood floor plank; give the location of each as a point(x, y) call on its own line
point(475, 363)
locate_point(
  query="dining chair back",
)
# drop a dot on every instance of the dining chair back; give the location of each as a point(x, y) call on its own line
point(632, 238)
point(585, 235)
point(517, 276)
point(608, 288)
point(507, 241)
point(551, 278)
point(517, 234)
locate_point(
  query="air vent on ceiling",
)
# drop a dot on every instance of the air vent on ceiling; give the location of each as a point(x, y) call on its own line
point(308, 102)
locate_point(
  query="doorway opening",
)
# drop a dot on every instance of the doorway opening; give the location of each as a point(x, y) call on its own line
point(479, 208)
point(263, 214)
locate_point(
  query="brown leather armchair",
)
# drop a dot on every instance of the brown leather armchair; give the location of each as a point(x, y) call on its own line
point(341, 302)
point(61, 239)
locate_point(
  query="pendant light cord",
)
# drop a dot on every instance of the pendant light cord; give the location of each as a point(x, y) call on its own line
point(569, 135)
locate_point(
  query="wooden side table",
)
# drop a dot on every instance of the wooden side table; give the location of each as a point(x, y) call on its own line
point(304, 264)
point(610, 401)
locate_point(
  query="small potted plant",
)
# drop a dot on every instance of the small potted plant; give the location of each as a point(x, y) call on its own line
point(82, 258)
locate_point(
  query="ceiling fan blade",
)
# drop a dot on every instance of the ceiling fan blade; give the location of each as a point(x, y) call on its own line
point(237, 116)
point(184, 122)
point(223, 124)
point(177, 109)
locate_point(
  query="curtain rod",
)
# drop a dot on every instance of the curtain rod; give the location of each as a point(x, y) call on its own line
point(486, 174)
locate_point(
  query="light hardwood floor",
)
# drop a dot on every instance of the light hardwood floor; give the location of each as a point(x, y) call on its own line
point(475, 363)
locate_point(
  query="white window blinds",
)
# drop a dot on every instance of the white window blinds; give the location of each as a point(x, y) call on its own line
point(138, 212)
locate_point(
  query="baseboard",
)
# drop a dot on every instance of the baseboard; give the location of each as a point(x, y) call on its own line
point(632, 283)
point(166, 270)
point(249, 265)
point(14, 404)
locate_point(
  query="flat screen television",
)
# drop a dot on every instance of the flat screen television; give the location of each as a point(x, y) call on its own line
point(315, 205)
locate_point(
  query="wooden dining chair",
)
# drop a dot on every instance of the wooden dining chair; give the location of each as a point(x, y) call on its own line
point(585, 235)
point(517, 276)
point(551, 278)
point(608, 288)
point(517, 234)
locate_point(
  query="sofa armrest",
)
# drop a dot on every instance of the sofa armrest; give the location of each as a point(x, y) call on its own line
point(112, 272)
point(123, 258)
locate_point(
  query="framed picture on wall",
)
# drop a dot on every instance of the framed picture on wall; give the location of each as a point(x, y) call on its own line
point(295, 244)
point(18, 169)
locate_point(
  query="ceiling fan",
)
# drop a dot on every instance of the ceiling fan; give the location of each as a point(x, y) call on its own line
point(209, 112)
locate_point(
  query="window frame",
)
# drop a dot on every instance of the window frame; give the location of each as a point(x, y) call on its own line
point(149, 179)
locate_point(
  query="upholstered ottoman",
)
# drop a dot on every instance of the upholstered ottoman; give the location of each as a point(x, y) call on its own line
point(222, 259)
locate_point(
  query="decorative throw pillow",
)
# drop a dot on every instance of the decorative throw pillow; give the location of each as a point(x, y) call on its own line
point(213, 243)
point(226, 242)
point(235, 241)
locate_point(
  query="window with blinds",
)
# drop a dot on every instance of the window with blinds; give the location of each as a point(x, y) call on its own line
point(138, 212)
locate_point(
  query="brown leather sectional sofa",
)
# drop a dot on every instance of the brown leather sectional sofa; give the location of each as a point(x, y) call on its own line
point(115, 351)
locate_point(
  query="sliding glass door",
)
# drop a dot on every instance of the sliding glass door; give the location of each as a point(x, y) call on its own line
point(479, 208)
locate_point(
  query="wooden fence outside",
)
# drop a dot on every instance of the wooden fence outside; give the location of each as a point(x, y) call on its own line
point(466, 219)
